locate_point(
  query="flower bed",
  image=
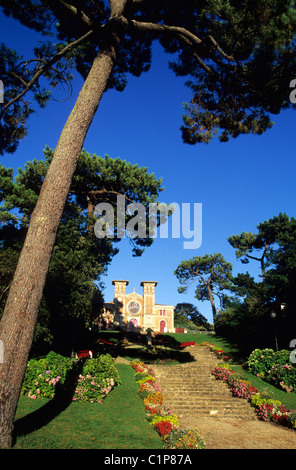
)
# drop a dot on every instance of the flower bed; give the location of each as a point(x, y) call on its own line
point(222, 355)
point(161, 417)
point(274, 367)
point(96, 380)
point(266, 409)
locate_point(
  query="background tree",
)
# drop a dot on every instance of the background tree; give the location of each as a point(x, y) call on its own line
point(275, 239)
point(232, 44)
point(248, 243)
point(73, 292)
point(213, 275)
point(186, 315)
point(249, 318)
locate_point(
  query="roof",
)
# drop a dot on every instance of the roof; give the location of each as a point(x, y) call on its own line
point(147, 282)
point(120, 280)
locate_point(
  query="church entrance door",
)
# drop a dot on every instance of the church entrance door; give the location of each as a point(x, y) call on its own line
point(133, 324)
point(162, 326)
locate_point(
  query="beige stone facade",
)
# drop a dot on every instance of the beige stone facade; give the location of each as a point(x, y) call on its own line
point(137, 312)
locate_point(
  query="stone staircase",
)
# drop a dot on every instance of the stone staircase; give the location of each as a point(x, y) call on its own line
point(194, 393)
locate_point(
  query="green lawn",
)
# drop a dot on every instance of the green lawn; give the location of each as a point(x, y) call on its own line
point(118, 423)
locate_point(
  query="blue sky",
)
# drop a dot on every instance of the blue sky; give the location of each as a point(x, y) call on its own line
point(240, 183)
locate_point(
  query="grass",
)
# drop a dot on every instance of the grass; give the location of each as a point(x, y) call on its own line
point(119, 422)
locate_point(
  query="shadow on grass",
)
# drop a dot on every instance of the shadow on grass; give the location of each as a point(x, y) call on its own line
point(46, 413)
point(164, 348)
point(237, 353)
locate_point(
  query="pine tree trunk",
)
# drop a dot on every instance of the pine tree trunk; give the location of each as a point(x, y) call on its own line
point(212, 304)
point(20, 315)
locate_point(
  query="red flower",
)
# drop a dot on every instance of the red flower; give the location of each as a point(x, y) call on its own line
point(164, 427)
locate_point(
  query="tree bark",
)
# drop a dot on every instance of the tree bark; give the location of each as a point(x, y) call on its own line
point(207, 285)
point(20, 315)
point(212, 304)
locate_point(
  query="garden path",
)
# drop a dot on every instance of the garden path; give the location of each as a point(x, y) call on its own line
point(201, 402)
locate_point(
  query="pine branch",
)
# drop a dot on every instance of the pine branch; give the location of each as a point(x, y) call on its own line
point(46, 66)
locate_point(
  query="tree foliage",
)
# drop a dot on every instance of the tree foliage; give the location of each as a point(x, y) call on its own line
point(212, 275)
point(239, 57)
point(248, 319)
point(253, 61)
point(72, 293)
point(186, 315)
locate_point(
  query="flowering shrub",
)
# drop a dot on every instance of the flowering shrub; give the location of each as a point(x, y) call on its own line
point(274, 367)
point(140, 367)
point(171, 418)
point(222, 355)
point(156, 409)
point(154, 398)
point(257, 400)
point(293, 419)
point(222, 372)
point(266, 409)
point(103, 366)
point(260, 361)
point(184, 439)
point(282, 376)
point(42, 386)
point(98, 377)
point(276, 413)
point(164, 427)
point(92, 389)
point(43, 375)
point(149, 387)
point(242, 389)
point(164, 424)
point(239, 388)
point(144, 379)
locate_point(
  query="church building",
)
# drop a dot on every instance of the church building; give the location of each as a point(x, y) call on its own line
point(137, 312)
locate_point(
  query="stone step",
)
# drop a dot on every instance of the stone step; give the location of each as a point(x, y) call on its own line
point(191, 385)
point(195, 373)
point(192, 391)
point(214, 413)
point(196, 411)
point(207, 400)
point(203, 394)
point(213, 409)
